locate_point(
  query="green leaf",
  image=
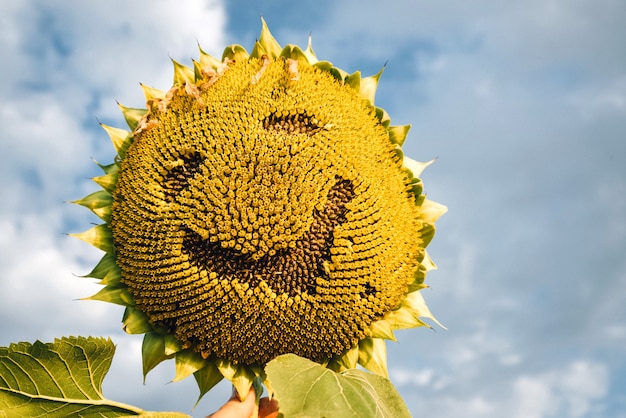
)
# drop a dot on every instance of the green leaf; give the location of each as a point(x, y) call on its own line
point(306, 389)
point(60, 379)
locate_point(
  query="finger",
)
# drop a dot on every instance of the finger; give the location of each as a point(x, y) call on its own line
point(236, 408)
point(268, 408)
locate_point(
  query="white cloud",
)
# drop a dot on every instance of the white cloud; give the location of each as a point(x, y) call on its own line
point(402, 377)
point(574, 390)
point(568, 392)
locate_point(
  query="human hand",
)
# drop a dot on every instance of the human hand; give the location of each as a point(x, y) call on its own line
point(235, 408)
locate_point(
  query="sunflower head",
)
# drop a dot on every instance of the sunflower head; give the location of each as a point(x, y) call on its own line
point(262, 206)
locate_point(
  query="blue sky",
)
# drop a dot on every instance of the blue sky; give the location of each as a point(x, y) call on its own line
point(522, 103)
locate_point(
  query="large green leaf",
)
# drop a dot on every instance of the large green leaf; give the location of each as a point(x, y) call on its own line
point(60, 379)
point(306, 389)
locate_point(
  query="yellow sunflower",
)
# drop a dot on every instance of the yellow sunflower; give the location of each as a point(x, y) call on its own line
point(262, 206)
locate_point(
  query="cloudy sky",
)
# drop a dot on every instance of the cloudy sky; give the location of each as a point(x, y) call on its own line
point(523, 104)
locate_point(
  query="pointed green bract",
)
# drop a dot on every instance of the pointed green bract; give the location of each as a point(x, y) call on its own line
point(294, 52)
point(207, 61)
point(153, 351)
point(240, 376)
point(104, 267)
point(348, 360)
point(132, 116)
point(235, 53)
point(207, 378)
point(373, 355)
point(114, 294)
point(397, 135)
point(431, 211)
point(109, 180)
point(416, 304)
point(99, 203)
point(182, 74)
point(151, 93)
point(100, 236)
point(135, 321)
point(187, 363)
point(382, 329)
point(267, 41)
point(172, 345)
point(310, 54)
point(118, 136)
point(369, 86)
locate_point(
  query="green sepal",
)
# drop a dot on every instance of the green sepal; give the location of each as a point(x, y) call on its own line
point(416, 167)
point(135, 322)
point(415, 303)
point(106, 168)
point(403, 318)
point(427, 232)
point(187, 363)
point(408, 315)
point(398, 134)
point(235, 53)
point(310, 54)
point(324, 66)
point(431, 211)
point(338, 73)
point(382, 329)
point(114, 294)
point(153, 352)
point(427, 262)
point(269, 44)
point(258, 51)
point(369, 85)
point(347, 360)
point(354, 80)
point(120, 138)
point(172, 344)
point(197, 70)
point(295, 53)
point(240, 376)
point(132, 115)
point(383, 117)
point(417, 281)
point(373, 356)
point(99, 203)
point(109, 180)
point(399, 153)
point(150, 93)
point(100, 236)
point(206, 378)
point(182, 74)
point(106, 270)
point(208, 61)
point(416, 186)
